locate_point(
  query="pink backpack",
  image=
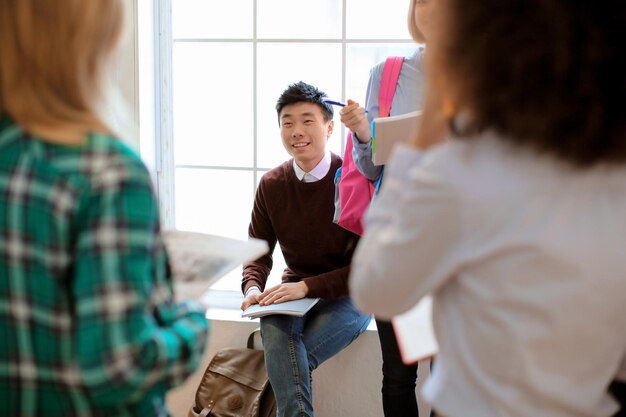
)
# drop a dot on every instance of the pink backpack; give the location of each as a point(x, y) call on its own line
point(353, 191)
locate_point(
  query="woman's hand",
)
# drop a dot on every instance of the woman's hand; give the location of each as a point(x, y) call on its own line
point(283, 292)
point(353, 116)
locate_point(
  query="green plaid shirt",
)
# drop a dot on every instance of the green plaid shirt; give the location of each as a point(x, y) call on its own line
point(87, 322)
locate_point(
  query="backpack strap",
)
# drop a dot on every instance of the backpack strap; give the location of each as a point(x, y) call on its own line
point(388, 83)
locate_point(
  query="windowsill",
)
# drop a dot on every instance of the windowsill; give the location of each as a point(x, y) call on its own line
point(225, 305)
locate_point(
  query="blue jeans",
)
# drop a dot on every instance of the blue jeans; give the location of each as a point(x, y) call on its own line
point(295, 346)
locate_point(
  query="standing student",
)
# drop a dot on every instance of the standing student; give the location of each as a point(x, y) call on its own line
point(399, 380)
point(294, 207)
point(408, 94)
point(89, 326)
point(516, 223)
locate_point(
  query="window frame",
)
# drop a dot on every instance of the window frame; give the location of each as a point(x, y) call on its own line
point(162, 151)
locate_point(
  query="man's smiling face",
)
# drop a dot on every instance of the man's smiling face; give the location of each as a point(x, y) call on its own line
point(305, 133)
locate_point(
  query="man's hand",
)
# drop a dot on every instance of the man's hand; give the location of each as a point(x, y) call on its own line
point(283, 292)
point(251, 298)
point(353, 116)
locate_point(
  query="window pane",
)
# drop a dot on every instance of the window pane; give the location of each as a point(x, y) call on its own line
point(232, 281)
point(213, 104)
point(299, 19)
point(218, 202)
point(280, 65)
point(373, 19)
point(212, 19)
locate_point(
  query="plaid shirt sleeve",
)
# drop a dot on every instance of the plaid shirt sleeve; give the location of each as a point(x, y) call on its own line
point(131, 338)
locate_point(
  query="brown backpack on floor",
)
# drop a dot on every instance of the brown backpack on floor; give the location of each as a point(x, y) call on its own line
point(235, 384)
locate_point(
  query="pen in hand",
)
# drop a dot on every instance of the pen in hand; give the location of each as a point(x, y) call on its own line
point(337, 103)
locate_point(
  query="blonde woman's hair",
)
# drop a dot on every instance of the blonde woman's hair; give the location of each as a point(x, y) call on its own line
point(416, 34)
point(53, 58)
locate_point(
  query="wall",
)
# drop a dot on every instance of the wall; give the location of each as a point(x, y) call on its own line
point(126, 115)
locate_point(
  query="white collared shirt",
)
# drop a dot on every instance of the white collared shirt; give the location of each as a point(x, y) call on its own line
point(317, 173)
point(525, 259)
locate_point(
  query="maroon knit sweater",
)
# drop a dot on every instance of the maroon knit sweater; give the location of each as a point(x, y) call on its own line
point(299, 215)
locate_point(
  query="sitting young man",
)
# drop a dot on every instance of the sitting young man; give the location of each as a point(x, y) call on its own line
point(294, 206)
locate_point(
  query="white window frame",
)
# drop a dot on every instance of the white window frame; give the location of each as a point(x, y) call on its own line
point(164, 138)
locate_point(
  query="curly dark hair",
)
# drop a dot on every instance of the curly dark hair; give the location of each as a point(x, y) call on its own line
point(550, 74)
point(301, 91)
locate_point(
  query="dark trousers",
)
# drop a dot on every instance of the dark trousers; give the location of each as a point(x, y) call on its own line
point(398, 379)
point(618, 390)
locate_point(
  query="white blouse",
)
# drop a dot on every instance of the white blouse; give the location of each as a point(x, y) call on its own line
point(526, 261)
